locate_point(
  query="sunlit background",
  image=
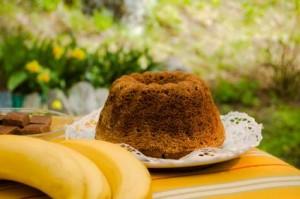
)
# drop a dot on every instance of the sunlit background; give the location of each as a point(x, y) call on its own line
point(64, 55)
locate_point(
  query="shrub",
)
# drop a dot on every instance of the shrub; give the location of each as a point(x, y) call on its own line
point(284, 71)
point(244, 92)
point(110, 65)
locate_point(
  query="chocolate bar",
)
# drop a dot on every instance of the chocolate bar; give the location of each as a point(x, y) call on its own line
point(35, 129)
point(39, 119)
point(16, 119)
point(4, 130)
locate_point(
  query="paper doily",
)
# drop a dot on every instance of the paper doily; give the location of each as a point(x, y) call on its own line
point(242, 134)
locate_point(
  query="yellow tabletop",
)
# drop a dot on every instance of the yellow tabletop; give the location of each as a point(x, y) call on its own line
point(255, 174)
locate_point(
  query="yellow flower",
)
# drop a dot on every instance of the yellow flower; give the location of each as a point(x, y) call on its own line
point(44, 76)
point(33, 66)
point(77, 53)
point(57, 51)
point(56, 104)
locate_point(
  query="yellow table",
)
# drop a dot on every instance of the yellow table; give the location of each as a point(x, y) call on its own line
point(256, 174)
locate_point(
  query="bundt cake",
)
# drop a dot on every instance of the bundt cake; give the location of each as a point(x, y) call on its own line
point(162, 114)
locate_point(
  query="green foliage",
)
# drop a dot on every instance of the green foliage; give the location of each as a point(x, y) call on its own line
point(215, 3)
point(103, 19)
point(244, 92)
point(176, 2)
point(281, 133)
point(26, 51)
point(46, 5)
point(32, 5)
point(285, 72)
point(38, 65)
point(113, 64)
point(251, 12)
point(6, 8)
point(168, 16)
point(78, 21)
point(297, 6)
point(11, 59)
point(16, 80)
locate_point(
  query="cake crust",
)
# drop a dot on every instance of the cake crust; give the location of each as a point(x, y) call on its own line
point(162, 114)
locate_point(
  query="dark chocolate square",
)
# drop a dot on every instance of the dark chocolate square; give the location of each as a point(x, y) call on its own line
point(35, 129)
point(5, 130)
point(1, 118)
point(39, 119)
point(16, 119)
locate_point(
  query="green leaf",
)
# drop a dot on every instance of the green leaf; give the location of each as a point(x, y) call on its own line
point(103, 19)
point(16, 79)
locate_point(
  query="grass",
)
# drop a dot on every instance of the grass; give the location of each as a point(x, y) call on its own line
point(282, 132)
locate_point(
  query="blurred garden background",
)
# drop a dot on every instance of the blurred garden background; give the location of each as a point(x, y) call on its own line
point(58, 53)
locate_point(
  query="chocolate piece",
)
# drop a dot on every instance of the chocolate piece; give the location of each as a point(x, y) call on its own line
point(39, 119)
point(9, 130)
point(16, 119)
point(35, 129)
point(1, 118)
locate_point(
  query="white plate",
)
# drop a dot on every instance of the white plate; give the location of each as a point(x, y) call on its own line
point(242, 134)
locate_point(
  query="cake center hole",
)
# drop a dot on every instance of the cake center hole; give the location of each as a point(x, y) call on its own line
point(159, 80)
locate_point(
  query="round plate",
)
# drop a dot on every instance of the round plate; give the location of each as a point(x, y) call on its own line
point(241, 134)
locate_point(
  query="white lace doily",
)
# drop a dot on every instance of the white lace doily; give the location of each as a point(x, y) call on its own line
point(242, 134)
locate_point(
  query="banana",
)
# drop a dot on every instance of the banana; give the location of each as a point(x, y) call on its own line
point(127, 176)
point(54, 169)
point(96, 184)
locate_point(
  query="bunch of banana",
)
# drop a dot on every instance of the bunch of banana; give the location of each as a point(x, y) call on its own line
point(56, 170)
point(74, 169)
point(128, 178)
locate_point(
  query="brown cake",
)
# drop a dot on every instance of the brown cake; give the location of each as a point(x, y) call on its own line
point(162, 114)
